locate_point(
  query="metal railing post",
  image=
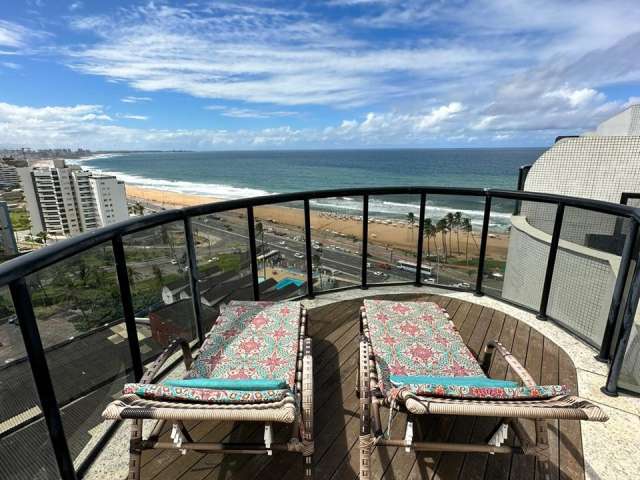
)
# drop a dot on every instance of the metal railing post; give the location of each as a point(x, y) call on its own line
point(307, 248)
point(423, 203)
point(252, 252)
point(551, 262)
point(365, 240)
point(41, 376)
point(618, 291)
point(611, 387)
point(522, 176)
point(483, 243)
point(127, 305)
point(193, 278)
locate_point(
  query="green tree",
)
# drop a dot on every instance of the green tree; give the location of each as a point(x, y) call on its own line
point(468, 228)
point(316, 263)
point(450, 219)
point(158, 275)
point(457, 222)
point(441, 228)
point(428, 233)
point(411, 219)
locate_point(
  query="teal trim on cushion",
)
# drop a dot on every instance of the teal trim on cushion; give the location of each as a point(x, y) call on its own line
point(473, 381)
point(245, 384)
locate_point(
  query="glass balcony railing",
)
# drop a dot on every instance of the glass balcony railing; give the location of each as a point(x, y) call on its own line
point(83, 316)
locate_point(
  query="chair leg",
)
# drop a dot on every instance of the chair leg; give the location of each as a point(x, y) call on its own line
point(135, 450)
point(365, 413)
point(307, 464)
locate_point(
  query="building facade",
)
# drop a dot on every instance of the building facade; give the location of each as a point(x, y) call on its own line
point(64, 200)
point(8, 176)
point(603, 165)
point(8, 247)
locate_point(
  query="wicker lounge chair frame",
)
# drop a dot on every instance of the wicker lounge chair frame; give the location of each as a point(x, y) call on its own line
point(298, 412)
point(509, 412)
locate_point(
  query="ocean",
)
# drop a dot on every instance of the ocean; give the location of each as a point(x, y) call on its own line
point(237, 174)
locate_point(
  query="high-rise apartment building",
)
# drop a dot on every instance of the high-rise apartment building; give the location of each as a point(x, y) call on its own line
point(65, 200)
point(8, 176)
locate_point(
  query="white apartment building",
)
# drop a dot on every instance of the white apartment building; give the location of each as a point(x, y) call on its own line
point(65, 200)
point(8, 176)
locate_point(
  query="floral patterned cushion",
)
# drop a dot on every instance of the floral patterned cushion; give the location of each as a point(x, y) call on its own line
point(487, 393)
point(416, 338)
point(204, 395)
point(251, 341)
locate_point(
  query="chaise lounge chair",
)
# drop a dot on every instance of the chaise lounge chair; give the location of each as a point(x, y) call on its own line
point(413, 359)
point(254, 365)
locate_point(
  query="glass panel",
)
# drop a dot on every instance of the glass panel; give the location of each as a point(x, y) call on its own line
point(585, 271)
point(452, 240)
point(159, 278)
point(224, 265)
point(281, 250)
point(336, 229)
point(393, 238)
point(25, 448)
point(630, 372)
point(525, 248)
point(79, 314)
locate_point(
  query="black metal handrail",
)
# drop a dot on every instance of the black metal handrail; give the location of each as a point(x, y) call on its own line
point(14, 272)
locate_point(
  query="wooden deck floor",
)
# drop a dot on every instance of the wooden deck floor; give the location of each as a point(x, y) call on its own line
point(334, 329)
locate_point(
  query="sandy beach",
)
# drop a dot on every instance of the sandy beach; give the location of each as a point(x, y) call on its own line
point(398, 235)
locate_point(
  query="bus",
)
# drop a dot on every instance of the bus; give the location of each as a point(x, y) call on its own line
point(411, 267)
point(273, 254)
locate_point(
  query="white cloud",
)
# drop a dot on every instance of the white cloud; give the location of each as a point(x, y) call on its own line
point(275, 57)
point(234, 112)
point(13, 35)
point(76, 6)
point(134, 117)
point(132, 99)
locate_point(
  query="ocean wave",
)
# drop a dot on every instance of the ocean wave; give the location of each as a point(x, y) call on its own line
point(400, 210)
point(347, 205)
point(226, 192)
point(97, 156)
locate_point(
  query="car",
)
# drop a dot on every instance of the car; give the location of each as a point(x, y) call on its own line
point(377, 273)
point(298, 255)
point(282, 242)
point(174, 262)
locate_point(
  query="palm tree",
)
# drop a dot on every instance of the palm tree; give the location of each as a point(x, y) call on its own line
point(442, 227)
point(316, 260)
point(157, 273)
point(450, 219)
point(468, 228)
point(428, 233)
point(260, 231)
point(411, 219)
point(457, 220)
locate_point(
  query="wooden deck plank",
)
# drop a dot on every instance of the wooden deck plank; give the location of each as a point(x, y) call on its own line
point(523, 466)
point(550, 376)
point(335, 331)
point(570, 436)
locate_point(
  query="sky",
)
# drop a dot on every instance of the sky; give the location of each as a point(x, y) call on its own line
point(220, 75)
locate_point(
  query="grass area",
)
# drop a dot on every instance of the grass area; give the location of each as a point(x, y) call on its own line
point(20, 219)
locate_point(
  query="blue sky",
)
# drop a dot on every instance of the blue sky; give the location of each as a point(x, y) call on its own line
point(312, 74)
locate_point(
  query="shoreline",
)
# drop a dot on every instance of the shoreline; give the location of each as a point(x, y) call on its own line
point(397, 234)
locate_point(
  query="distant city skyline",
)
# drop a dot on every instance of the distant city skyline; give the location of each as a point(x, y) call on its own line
point(329, 74)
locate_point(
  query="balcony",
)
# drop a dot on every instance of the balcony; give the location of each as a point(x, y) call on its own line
point(167, 274)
